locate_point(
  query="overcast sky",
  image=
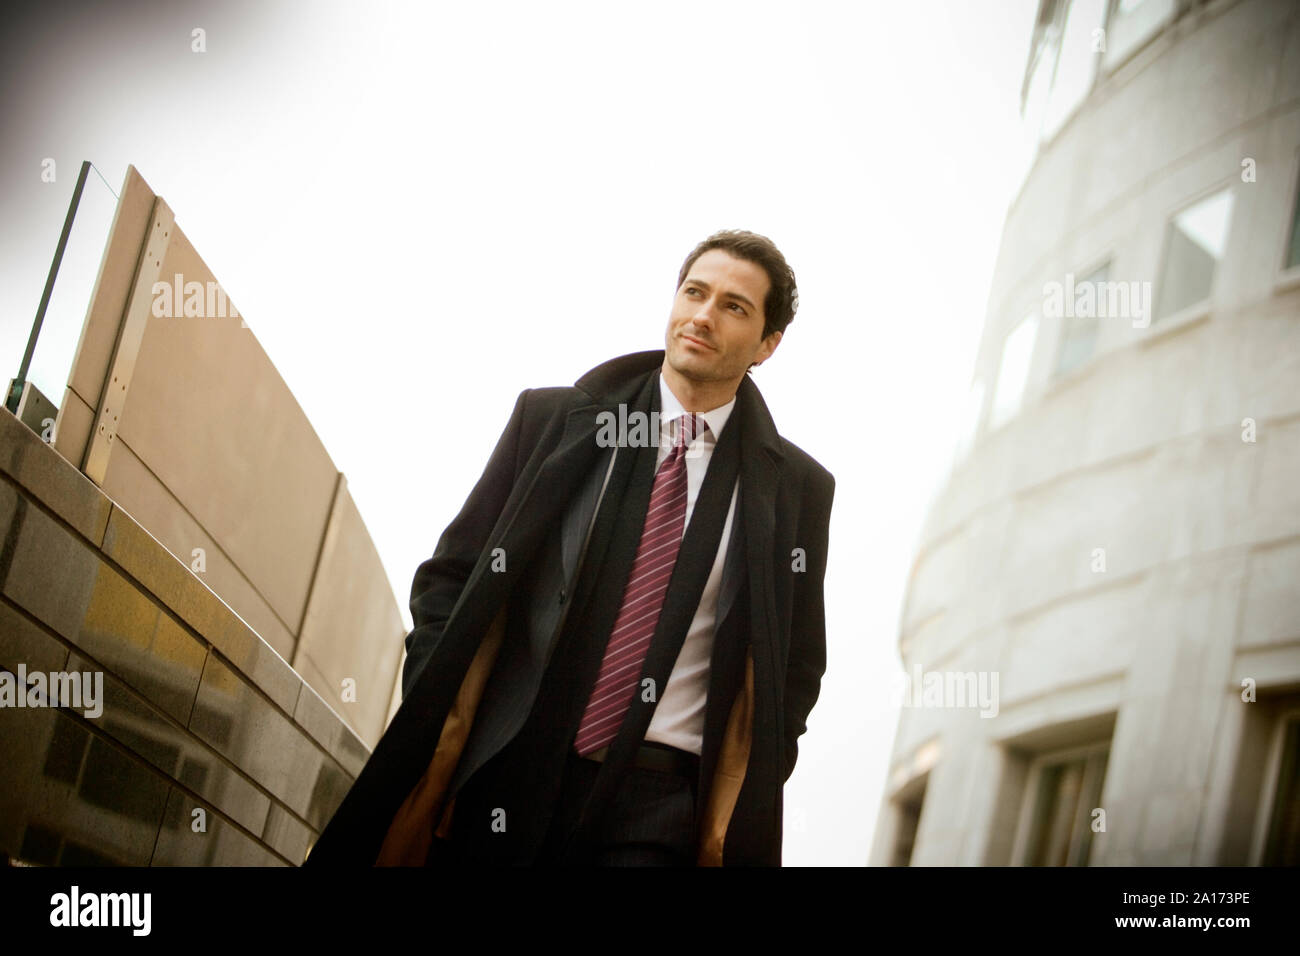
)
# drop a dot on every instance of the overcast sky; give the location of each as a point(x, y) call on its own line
point(422, 209)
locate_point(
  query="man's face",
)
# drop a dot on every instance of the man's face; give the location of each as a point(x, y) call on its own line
point(715, 330)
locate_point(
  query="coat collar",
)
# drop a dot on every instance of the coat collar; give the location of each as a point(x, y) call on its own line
point(619, 379)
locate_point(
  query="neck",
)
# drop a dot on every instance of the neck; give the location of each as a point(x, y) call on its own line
point(699, 396)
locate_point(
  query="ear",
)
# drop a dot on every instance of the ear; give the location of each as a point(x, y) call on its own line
point(766, 348)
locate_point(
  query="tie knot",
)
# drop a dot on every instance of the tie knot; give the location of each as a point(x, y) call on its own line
point(689, 426)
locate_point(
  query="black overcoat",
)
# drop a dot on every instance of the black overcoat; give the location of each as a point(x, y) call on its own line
point(539, 490)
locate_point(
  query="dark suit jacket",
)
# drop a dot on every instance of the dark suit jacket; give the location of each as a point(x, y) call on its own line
point(538, 494)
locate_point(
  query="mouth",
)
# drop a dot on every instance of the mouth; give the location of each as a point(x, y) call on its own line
point(702, 344)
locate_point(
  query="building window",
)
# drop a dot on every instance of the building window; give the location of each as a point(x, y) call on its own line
point(1131, 24)
point(1013, 373)
point(1194, 245)
point(1079, 332)
point(1064, 54)
point(970, 423)
point(1293, 252)
point(1064, 790)
point(1282, 847)
point(907, 806)
point(1037, 84)
point(1076, 62)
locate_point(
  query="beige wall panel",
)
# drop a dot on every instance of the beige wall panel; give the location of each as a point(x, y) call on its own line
point(353, 626)
point(72, 427)
point(148, 501)
point(209, 415)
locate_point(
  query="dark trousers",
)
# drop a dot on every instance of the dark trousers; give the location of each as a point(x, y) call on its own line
point(649, 820)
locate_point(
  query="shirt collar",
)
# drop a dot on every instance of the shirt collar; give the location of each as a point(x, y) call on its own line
point(671, 409)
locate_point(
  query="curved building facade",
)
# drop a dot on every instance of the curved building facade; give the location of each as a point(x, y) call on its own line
point(1102, 625)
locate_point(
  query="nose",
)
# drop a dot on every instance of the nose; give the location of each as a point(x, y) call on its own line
point(704, 313)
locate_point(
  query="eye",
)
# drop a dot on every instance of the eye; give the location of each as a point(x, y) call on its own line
point(737, 307)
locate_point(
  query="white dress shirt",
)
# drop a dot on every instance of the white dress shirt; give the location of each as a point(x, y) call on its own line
point(679, 717)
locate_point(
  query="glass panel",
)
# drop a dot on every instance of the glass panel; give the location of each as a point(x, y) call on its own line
point(909, 817)
point(1293, 253)
point(1066, 792)
point(1055, 805)
point(1013, 374)
point(1132, 22)
point(1196, 241)
point(1079, 332)
point(1037, 84)
point(1064, 811)
point(1076, 65)
point(1283, 846)
point(1094, 781)
point(66, 313)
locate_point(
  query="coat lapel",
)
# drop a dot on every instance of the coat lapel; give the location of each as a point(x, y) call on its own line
point(733, 569)
point(763, 476)
point(562, 474)
point(759, 472)
point(749, 559)
point(578, 518)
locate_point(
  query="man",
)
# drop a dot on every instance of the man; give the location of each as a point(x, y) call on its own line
point(618, 640)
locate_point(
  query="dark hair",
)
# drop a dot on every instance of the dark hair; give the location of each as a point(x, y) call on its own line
point(783, 296)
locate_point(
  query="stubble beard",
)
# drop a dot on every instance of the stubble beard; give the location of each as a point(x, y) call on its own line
point(701, 373)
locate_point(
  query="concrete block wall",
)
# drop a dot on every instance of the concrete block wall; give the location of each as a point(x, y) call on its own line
point(209, 749)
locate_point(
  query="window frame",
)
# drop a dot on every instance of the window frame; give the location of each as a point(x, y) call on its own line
point(1109, 68)
point(1268, 792)
point(1044, 137)
point(1091, 755)
point(1200, 309)
point(992, 422)
point(1288, 277)
point(913, 792)
point(1055, 375)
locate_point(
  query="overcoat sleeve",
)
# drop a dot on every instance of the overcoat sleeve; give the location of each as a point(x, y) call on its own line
point(807, 661)
point(439, 580)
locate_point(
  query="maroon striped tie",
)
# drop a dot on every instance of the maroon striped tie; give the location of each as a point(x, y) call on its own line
point(643, 599)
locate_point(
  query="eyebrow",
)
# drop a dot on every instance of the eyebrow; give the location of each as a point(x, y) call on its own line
point(734, 295)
